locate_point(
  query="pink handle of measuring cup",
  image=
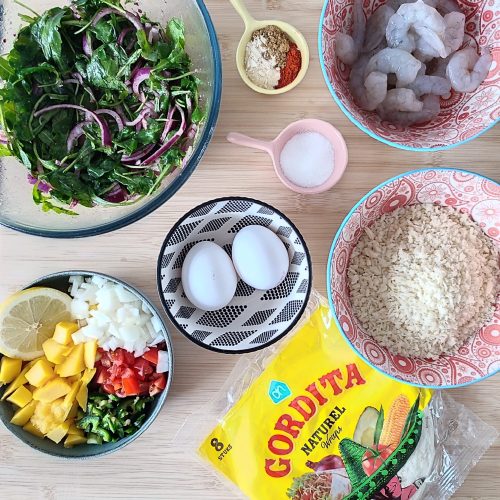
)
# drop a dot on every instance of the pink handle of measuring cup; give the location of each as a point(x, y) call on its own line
point(249, 142)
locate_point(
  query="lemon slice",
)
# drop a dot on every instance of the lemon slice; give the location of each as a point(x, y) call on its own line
point(28, 318)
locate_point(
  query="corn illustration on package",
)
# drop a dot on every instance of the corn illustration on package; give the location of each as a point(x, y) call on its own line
point(318, 423)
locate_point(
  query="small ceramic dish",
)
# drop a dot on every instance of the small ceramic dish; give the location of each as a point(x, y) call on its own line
point(251, 25)
point(254, 318)
point(273, 149)
point(479, 357)
point(60, 282)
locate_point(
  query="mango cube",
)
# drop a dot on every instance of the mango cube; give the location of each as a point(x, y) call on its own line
point(87, 376)
point(63, 332)
point(90, 352)
point(73, 412)
point(82, 397)
point(74, 440)
point(75, 431)
point(74, 363)
point(58, 432)
point(9, 369)
point(52, 390)
point(23, 415)
point(54, 351)
point(29, 427)
point(40, 373)
point(19, 380)
point(21, 397)
point(70, 398)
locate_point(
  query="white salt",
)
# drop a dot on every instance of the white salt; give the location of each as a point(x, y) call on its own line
point(307, 159)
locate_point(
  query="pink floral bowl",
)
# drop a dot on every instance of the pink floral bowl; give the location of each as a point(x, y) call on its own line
point(463, 116)
point(471, 193)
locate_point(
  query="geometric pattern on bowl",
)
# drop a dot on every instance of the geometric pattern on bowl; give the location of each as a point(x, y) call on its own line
point(462, 116)
point(254, 318)
point(470, 193)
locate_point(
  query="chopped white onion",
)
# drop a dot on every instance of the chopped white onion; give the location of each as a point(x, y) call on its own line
point(113, 315)
point(162, 365)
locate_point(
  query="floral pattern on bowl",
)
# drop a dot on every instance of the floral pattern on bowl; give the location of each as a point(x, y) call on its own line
point(470, 193)
point(462, 116)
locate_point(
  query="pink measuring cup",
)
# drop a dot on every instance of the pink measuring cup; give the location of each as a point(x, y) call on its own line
point(274, 148)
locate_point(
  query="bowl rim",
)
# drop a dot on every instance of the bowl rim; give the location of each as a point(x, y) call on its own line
point(329, 276)
point(122, 443)
point(362, 127)
point(159, 278)
point(186, 171)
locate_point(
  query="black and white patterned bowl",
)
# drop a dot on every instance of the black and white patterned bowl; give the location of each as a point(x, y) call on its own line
point(254, 318)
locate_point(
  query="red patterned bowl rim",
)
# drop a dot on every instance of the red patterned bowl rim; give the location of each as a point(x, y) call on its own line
point(329, 275)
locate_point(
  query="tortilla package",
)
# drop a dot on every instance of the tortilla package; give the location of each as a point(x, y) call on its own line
point(308, 419)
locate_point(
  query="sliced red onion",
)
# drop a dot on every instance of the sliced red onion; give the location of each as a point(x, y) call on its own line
point(43, 187)
point(113, 114)
point(75, 134)
point(78, 77)
point(138, 127)
point(73, 204)
point(154, 35)
point(87, 44)
point(76, 14)
point(3, 138)
point(141, 75)
point(168, 123)
point(140, 153)
point(170, 142)
point(105, 134)
point(123, 34)
point(144, 123)
point(145, 112)
point(117, 194)
point(191, 131)
point(132, 18)
point(189, 108)
point(72, 80)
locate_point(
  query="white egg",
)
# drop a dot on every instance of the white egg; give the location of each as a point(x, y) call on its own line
point(208, 276)
point(260, 258)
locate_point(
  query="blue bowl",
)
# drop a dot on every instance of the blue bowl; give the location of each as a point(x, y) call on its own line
point(462, 118)
point(18, 210)
point(86, 451)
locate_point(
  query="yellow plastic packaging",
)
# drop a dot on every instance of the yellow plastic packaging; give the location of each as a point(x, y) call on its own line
point(317, 410)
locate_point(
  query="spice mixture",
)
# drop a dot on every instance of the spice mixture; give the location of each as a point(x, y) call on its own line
point(271, 60)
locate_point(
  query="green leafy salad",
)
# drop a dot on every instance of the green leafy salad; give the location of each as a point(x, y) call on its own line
point(99, 103)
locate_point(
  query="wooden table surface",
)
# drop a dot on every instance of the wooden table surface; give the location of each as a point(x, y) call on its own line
point(154, 466)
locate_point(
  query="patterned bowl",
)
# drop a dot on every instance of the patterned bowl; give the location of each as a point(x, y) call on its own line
point(254, 318)
point(463, 116)
point(471, 193)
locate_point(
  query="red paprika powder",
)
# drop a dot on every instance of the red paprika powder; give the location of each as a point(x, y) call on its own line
point(292, 67)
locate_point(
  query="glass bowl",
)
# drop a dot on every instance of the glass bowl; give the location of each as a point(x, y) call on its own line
point(17, 209)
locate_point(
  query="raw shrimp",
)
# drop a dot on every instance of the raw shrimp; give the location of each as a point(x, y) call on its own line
point(447, 6)
point(345, 48)
point(375, 89)
point(358, 24)
point(417, 26)
point(395, 4)
point(426, 84)
point(455, 31)
point(402, 100)
point(376, 27)
point(398, 34)
point(429, 43)
point(429, 111)
point(466, 70)
point(397, 61)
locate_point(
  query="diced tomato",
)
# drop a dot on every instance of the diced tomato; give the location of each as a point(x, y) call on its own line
point(102, 375)
point(128, 373)
point(157, 384)
point(109, 388)
point(151, 355)
point(129, 358)
point(143, 367)
point(118, 356)
point(105, 361)
point(131, 386)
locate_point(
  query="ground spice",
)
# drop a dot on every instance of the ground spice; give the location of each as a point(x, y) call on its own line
point(276, 43)
point(292, 67)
